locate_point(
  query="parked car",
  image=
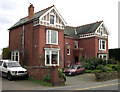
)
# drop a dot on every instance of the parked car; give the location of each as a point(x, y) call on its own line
point(75, 69)
point(11, 69)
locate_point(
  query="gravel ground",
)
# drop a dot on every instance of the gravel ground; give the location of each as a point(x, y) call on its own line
point(85, 78)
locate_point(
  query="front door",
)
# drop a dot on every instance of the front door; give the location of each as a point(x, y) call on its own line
point(76, 59)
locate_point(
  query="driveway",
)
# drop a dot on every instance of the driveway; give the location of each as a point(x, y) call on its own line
point(20, 84)
point(85, 78)
point(28, 85)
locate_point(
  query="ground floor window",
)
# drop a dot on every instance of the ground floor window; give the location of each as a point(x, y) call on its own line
point(51, 57)
point(15, 56)
point(103, 56)
point(68, 63)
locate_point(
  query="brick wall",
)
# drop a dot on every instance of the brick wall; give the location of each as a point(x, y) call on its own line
point(71, 43)
point(34, 43)
point(39, 72)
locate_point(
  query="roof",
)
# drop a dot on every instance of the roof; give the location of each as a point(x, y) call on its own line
point(84, 29)
point(36, 15)
point(70, 31)
point(89, 28)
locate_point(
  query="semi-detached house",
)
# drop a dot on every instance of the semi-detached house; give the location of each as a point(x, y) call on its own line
point(44, 39)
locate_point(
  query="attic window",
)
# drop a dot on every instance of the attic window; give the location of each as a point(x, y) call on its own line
point(51, 19)
point(101, 30)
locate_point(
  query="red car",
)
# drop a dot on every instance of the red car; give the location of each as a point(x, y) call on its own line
point(73, 70)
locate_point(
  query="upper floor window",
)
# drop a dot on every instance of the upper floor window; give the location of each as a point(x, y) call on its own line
point(68, 51)
point(102, 45)
point(51, 19)
point(76, 44)
point(52, 37)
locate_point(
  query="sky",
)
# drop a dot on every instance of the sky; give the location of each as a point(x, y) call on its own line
point(74, 12)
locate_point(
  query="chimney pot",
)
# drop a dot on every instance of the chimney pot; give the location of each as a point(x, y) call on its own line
point(30, 11)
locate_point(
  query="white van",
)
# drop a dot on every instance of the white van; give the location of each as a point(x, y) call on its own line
point(12, 69)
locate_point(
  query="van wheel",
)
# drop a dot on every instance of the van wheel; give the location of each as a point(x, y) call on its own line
point(9, 77)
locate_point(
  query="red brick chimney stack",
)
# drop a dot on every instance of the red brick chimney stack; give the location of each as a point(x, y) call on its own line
point(30, 11)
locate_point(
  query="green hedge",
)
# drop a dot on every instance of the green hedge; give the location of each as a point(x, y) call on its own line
point(99, 65)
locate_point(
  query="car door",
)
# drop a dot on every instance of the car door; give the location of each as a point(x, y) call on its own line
point(78, 69)
point(4, 69)
point(1, 62)
point(81, 69)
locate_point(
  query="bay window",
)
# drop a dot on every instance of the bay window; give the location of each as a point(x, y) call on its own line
point(51, 57)
point(102, 56)
point(52, 37)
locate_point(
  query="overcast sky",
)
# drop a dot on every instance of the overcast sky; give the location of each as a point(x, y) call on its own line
point(75, 13)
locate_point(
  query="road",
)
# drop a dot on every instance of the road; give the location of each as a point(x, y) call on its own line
point(28, 85)
point(107, 85)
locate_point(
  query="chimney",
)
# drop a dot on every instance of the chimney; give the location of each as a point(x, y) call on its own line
point(30, 11)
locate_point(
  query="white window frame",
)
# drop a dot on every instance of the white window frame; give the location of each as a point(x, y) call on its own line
point(15, 55)
point(54, 19)
point(69, 51)
point(51, 58)
point(101, 44)
point(101, 31)
point(68, 63)
point(76, 42)
point(102, 56)
point(50, 42)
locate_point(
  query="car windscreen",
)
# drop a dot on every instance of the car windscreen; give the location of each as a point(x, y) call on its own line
point(73, 67)
point(13, 64)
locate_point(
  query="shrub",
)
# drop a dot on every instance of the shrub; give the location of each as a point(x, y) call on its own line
point(112, 61)
point(61, 74)
point(97, 71)
point(88, 71)
point(46, 79)
point(106, 68)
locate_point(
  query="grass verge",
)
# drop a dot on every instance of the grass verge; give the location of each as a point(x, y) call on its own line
point(40, 82)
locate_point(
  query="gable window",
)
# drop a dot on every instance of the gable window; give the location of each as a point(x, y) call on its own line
point(76, 44)
point(52, 37)
point(52, 19)
point(15, 56)
point(101, 30)
point(102, 45)
point(51, 57)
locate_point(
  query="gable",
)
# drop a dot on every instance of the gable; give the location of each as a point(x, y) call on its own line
point(42, 18)
point(59, 22)
point(102, 30)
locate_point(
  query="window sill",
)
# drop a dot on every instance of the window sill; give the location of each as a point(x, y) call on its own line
point(52, 65)
point(68, 54)
point(51, 44)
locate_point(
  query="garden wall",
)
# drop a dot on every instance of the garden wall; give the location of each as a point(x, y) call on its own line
point(103, 76)
point(39, 72)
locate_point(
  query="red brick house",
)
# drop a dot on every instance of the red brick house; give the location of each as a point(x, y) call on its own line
point(43, 38)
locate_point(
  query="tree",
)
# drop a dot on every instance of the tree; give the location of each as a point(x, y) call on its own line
point(6, 53)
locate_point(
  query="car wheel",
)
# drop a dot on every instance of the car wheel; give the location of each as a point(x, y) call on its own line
point(74, 74)
point(9, 77)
